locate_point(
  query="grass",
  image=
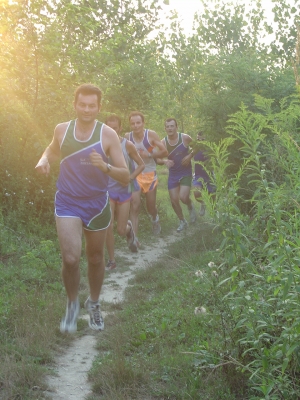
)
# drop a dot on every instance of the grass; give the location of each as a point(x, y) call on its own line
point(150, 348)
point(155, 347)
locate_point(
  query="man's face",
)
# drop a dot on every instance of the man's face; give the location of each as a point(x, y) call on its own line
point(114, 124)
point(171, 128)
point(137, 124)
point(87, 107)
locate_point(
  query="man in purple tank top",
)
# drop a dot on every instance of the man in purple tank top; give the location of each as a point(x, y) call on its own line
point(180, 171)
point(149, 147)
point(81, 201)
point(201, 179)
point(120, 195)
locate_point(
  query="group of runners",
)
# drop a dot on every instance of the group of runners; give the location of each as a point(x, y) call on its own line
point(102, 177)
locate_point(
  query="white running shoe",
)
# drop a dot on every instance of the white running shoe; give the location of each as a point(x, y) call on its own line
point(131, 240)
point(156, 228)
point(182, 225)
point(69, 322)
point(193, 215)
point(96, 321)
point(110, 265)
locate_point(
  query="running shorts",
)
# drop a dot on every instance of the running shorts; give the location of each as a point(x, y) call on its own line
point(119, 198)
point(174, 182)
point(198, 183)
point(147, 181)
point(95, 213)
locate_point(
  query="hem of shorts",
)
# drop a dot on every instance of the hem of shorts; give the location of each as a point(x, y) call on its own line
point(121, 202)
point(66, 216)
point(86, 228)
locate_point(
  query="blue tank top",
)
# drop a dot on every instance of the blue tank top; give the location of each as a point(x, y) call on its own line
point(199, 170)
point(176, 153)
point(77, 176)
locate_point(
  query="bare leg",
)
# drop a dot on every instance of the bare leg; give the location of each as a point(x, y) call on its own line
point(197, 195)
point(135, 210)
point(69, 232)
point(184, 195)
point(174, 197)
point(122, 218)
point(95, 241)
point(110, 239)
point(151, 203)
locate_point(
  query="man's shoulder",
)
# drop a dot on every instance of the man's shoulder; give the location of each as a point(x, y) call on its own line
point(186, 138)
point(108, 132)
point(63, 124)
point(152, 135)
point(61, 128)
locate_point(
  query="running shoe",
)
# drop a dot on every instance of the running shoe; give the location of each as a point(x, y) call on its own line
point(110, 265)
point(131, 240)
point(96, 321)
point(156, 228)
point(202, 210)
point(69, 322)
point(137, 242)
point(193, 215)
point(182, 225)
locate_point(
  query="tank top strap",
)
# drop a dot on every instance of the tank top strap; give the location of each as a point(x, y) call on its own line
point(170, 147)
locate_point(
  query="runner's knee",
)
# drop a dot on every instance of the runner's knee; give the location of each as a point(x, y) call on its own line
point(121, 230)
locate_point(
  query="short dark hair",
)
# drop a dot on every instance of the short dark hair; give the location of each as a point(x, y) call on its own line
point(171, 119)
point(113, 117)
point(86, 89)
point(136, 114)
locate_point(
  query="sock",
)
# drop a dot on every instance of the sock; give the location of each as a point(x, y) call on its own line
point(156, 219)
point(93, 303)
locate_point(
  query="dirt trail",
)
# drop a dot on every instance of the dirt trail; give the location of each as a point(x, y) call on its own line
point(70, 379)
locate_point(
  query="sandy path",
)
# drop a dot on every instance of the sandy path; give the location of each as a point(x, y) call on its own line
point(70, 380)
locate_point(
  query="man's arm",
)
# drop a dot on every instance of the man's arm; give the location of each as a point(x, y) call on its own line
point(164, 161)
point(52, 152)
point(112, 147)
point(158, 144)
point(134, 155)
point(187, 141)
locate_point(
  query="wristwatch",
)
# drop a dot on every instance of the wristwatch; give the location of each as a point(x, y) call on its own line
point(109, 167)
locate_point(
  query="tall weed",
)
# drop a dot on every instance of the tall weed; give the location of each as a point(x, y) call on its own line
point(259, 292)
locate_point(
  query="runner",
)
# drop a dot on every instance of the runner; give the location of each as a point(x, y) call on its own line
point(81, 201)
point(180, 171)
point(149, 147)
point(201, 178)
point(120, 195)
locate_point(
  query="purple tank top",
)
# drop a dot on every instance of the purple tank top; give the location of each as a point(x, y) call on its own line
point(77, 176)
point(176, 153)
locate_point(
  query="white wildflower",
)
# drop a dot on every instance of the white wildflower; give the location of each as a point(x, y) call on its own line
point(211, 264)
point(199, 274)
point(215, 274)
point(200, 310)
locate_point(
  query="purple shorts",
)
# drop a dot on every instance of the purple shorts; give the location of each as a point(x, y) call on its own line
point(94, 213)
point(174, 181)
point(120, 198)
point(199, 184)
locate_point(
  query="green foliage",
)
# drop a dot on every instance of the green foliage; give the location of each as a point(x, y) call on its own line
point(158, 345)
point(260, 289)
